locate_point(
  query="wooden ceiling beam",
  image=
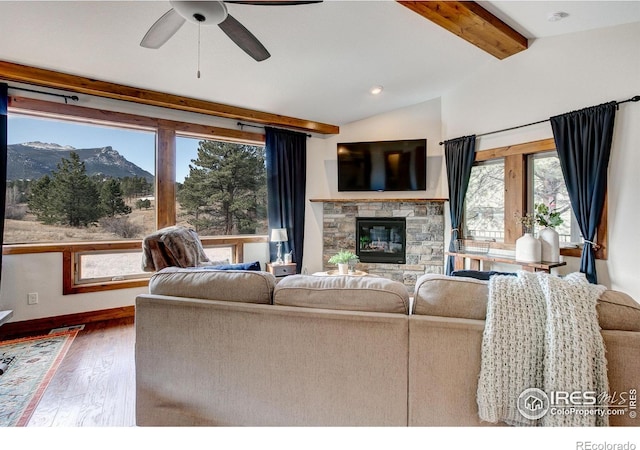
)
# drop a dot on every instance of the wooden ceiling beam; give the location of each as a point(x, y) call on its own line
point(73, 83)
point(473, 23)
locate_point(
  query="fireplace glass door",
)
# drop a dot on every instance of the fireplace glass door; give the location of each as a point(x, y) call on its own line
point(381, 239)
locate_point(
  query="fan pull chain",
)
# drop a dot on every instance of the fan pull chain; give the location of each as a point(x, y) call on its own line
point(198, 50)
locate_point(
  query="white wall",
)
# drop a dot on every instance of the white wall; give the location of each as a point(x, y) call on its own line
point(415, 122)
point(42, 273)
point(554, 76)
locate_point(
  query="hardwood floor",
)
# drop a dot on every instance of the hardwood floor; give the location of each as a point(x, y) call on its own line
point(95, 383)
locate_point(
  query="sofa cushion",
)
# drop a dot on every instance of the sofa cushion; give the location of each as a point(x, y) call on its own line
point(618, 311)
point(440, 295)
point(226, 285)
point(372, 294)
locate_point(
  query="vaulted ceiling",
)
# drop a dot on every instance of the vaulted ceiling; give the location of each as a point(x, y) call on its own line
point(325, 57)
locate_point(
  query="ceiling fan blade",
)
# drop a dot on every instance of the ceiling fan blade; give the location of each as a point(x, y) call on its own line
point(161, 31)
point(272, 3)
point(243, 38)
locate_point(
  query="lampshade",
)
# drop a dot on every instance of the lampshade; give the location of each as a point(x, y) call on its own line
point(279, 235)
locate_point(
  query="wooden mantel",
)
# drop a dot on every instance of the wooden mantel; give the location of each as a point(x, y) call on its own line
point(377, 200)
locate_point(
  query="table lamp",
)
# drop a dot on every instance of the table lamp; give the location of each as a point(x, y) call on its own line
point(279, 235)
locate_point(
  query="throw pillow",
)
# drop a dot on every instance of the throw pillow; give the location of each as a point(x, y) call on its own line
point(255, 265)
point(478, 274)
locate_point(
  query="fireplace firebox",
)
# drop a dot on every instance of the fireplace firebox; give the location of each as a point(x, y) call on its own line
point(381, 239)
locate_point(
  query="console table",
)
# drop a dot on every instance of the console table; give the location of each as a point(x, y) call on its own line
point(475, 258)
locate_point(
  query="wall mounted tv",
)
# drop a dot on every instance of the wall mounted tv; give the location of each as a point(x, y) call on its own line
point(383, 166)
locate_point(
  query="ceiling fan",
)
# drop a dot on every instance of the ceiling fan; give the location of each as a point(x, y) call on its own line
point(211, 13)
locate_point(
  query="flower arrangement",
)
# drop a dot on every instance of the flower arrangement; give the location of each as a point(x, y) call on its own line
point(546, 216)
point(542, 215)
point(527, 221)
point(342, 257)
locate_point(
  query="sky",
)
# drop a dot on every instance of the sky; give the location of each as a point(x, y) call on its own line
point(136, 146)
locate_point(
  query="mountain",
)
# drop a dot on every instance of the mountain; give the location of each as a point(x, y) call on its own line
point(32, 160)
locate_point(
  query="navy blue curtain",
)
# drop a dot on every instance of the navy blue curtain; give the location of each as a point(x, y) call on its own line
point(4, 102)
point(583, 140)
point(459, 156)
point(286, 153)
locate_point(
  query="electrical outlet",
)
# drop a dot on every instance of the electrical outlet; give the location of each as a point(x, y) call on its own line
point(32, 298)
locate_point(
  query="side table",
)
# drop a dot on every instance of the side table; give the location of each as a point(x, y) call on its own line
point(281, 270)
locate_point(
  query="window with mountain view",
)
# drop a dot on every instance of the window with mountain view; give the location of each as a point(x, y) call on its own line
point(91, 185)
point(71, 181)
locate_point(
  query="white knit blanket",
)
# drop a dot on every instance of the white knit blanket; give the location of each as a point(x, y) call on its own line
point(541, 332)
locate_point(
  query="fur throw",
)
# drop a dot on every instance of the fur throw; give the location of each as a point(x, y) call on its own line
point(174, 246)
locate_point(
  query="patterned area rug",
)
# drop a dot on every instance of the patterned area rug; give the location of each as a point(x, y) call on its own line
point(35, 361)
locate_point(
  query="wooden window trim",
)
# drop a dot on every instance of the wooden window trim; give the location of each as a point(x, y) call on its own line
point(516, 191)
point(67, 82)
point(96, 116)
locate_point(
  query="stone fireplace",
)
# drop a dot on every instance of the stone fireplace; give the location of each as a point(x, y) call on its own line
point(424, 234)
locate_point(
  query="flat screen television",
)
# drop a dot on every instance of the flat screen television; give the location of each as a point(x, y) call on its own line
point(383, 166)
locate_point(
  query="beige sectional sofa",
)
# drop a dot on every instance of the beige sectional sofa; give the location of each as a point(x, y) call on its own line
point(236, 348)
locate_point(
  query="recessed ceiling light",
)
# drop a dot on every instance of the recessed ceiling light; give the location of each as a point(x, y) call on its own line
point(376, 90)
point(556, 16)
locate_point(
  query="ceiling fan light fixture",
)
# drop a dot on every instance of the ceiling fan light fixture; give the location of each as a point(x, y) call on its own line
point(205, 13)
point(376, 90)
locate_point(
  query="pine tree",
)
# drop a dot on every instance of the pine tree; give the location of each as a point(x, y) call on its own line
point(111, 200)
point(71, 195)
point(143, 203)
point(39, 201)
point(225, 192)
point(135, 186)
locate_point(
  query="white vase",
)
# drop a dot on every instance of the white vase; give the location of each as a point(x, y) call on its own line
point(550, 243)
point(343, 269)
point(528, 249)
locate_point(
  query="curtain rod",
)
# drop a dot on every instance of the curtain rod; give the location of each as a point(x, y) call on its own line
point(242, 125)
point(632, 99)
point(66, 97)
